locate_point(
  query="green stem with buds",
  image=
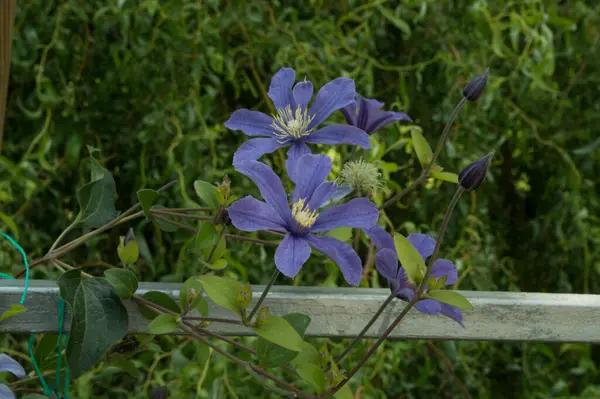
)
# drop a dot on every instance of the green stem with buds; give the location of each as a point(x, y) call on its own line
point(425, 173)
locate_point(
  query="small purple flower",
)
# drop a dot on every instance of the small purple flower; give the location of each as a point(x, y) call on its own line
point(295, 123)
point(304, 218)
point(365, 114)
point(386, 262)
point(9, 364)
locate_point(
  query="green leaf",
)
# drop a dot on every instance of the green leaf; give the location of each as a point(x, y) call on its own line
point(126, 365)
point(424, 153)
point(410, 258)
point(279, 331)
point(97, 198)
point(68, 283)
point(244, 296)
point(308, 354)
point(344, 393)
point(451, 298)
point(445, 176)
point(164, 226)
point(128, 254)
point(13, 311)
point(99, 319)
point(206, 237)
point(206, 192)
point(313, 375)
point(190, 294)
point(124, 281)
point(397, 22)
point(146, 197)
point(273, 355)
point(159, 298)
point(45, 350)
point(163, 324)
point(218, 265)
point(341, 233)
point(219, 251)
point(223, 292)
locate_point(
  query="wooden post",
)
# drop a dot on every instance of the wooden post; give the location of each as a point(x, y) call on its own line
point(7, 15)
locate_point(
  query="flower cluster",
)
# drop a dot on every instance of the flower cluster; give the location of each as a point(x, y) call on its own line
point(386, 262)
point(314, 206)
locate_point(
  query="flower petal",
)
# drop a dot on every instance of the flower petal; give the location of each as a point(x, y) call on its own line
point(384, 118)
point(452, 312)
point(7, 363)
point(428, 306)
point(311, 171)
point(359, 213)
point(339, 134)
point(423, 243)
point(253, 123)
point(341, 253)
point(381, 238)
point(341, 192)
point(303, 91)
point(386, 263)
point(367, 109)
point(5, 392)
point(349, 112)
point(334, 95)
point(280, 90)
point(253, 149)
point(269, 185)
point(291, 254)
point(296, 151)
point(250, 214)
point(443, 267)
point(323, 194)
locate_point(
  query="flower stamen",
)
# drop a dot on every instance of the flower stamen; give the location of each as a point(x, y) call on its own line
point(303, 215)
point(291, 125)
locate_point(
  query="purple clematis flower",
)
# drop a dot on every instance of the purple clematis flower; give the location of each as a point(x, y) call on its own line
point(296, 123)
point(7, 363)
point(386, 262)
point(365, 113)
point(304, 218)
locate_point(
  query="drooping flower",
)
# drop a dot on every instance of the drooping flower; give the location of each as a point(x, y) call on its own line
point(386, 262)
point(296, 123)
point(9, 364)
point(305, 216)
point(366, 114)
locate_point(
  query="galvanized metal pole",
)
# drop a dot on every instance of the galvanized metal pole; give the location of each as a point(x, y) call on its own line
point(7, 15)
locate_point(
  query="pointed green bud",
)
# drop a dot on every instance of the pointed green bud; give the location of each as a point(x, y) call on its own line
point(473, 175)
point(262, 316)
point(129, 237)
point(475, 87)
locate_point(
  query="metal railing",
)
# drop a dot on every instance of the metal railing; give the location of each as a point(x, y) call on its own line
point(342, 312)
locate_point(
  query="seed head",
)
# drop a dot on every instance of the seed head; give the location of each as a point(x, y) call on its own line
point(362, 176)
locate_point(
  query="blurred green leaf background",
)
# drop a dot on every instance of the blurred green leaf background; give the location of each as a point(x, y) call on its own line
point(150, 83)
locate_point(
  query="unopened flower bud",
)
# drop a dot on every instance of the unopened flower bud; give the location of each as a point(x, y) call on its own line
point(473, 175)
point(362, 176)
point(475, 87)
point(129, 237)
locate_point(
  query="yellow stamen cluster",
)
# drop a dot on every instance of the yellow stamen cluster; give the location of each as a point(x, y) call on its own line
point(303, 215)
point(289, 124)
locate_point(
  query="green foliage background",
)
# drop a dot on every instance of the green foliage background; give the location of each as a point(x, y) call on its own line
point(151, 82)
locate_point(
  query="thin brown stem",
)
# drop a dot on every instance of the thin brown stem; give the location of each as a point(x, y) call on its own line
point(174, 223)
point(179, 214)
point(199, 209)
point(212, 320)
point(264, 294)
point(252, 240)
